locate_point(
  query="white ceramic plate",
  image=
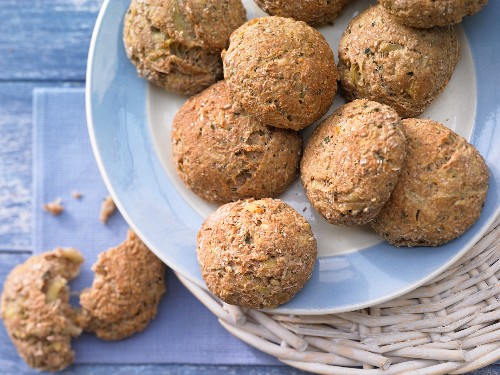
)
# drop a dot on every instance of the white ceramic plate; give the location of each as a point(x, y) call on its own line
point(130, 121)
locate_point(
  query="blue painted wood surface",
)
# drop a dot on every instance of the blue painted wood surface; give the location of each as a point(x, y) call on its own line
point(45, 43)
point(15, 165)
point(45, 40)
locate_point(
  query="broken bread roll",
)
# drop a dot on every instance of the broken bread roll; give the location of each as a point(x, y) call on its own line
point(36, 311)
point(128, 285)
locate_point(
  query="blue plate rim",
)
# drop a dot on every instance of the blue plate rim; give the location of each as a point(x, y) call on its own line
point(122, 207)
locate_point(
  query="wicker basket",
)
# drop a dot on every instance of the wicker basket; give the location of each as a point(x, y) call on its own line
point(449, 326)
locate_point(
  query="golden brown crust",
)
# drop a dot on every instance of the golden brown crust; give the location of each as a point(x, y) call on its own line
point(352, 162)
point(223, 155)
point(403, 67)
point(127, 287)
point(314, 12)
point(440, 192)
point(256, 253)
point(207, 24)
point(215, 20)
point(430, 13)
point(177, 46)
point(281, 71)
point(36, 311)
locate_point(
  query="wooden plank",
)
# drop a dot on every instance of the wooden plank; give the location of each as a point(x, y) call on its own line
point(45, 40)
point(15, 165)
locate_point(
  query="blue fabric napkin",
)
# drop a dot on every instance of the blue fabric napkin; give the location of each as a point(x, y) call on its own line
point(184, 331)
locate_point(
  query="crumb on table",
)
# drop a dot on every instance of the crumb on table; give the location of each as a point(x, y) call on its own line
point(108, 208)
point(76, 194)
point(54, 208)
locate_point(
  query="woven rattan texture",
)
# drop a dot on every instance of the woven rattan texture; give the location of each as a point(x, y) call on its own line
point(449, 326)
